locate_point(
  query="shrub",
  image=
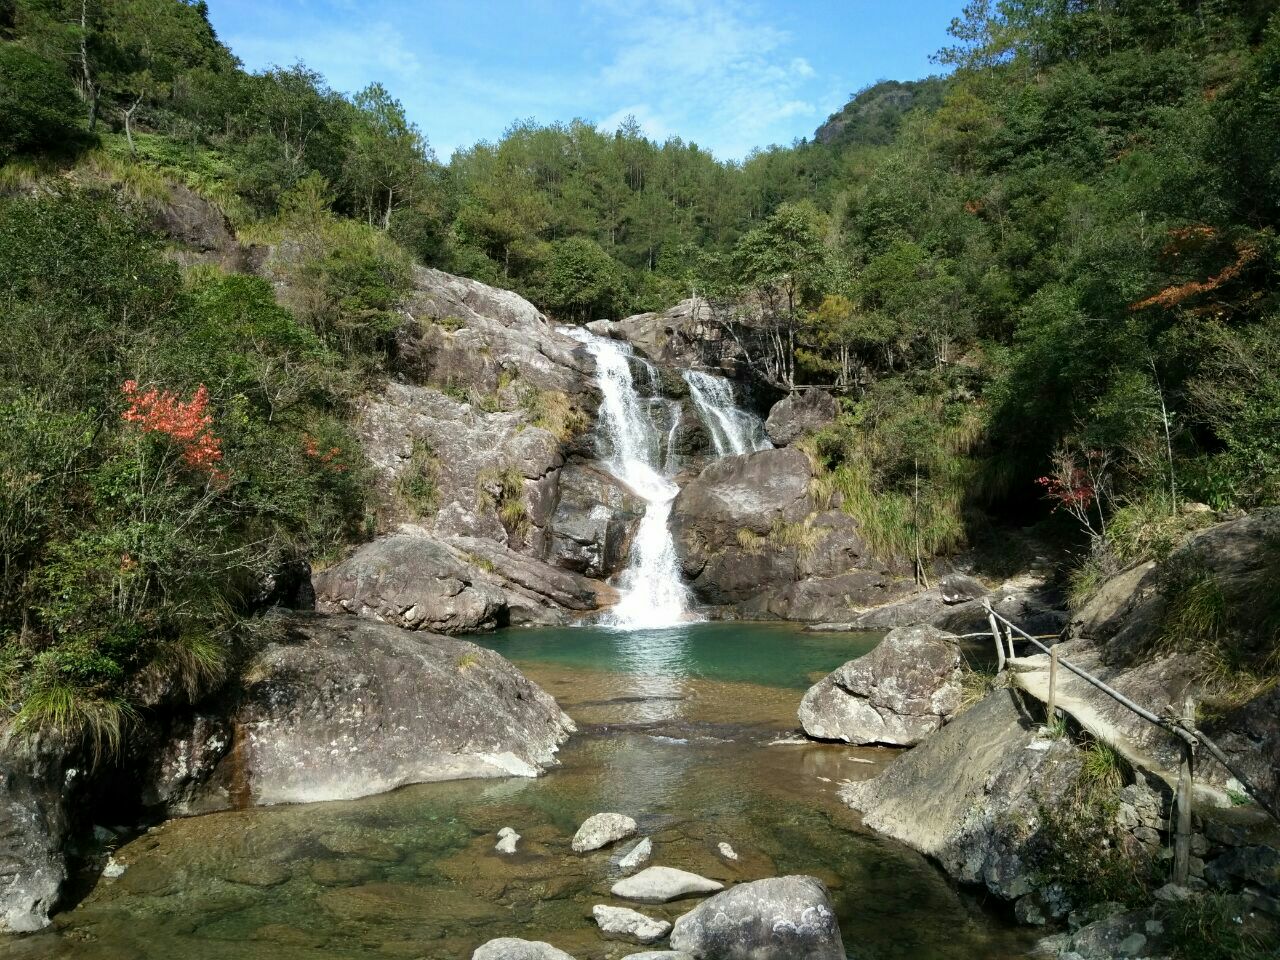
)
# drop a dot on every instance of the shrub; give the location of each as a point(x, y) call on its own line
point(39, 109)
point(416, 484)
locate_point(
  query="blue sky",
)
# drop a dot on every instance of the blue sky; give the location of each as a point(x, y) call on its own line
point(729, 75)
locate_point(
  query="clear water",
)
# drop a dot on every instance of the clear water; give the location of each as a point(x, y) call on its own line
point(733, 430)
point(681, 734)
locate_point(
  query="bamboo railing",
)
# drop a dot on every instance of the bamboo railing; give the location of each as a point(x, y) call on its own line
point(1183, 727)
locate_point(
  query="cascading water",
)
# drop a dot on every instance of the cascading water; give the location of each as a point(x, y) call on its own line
point(733, 430)
point(652, 593)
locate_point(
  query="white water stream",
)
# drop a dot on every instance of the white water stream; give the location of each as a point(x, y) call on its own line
point(733, 430)
point(642, 454)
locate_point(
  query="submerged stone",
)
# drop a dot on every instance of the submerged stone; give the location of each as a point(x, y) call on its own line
point(601, 830)
point(662, 884)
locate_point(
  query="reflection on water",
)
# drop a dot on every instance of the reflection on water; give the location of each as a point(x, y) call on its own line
point(676, 731)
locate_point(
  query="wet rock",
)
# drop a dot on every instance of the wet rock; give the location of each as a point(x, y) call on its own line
point(663, 884)
point(511, 948)
point(593, 522)
point(637, 856)
point(342, 708)
point(800, 413)
point(897, 694)
point(726, 851)
point(659, 955)
point(1257, 866)
point(37, 778)
point(601, 830)
point(780, 918)
point(685, 335)
point(619, 923)
point(1119, 936)
point(184, 760)
point(507, 840)
point(341, 873)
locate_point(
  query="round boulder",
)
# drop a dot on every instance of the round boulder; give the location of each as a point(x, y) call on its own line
point(781, 918)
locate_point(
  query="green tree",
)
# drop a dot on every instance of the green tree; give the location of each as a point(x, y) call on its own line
point(38, 105)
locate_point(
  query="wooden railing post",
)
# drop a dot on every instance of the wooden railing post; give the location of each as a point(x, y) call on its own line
point(995, 633)
point(1186, 774)
point(1053, 683)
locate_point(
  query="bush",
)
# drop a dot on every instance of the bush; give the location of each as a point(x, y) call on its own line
point(39, 109)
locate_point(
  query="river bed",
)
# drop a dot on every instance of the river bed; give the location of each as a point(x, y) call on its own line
point(679, 728)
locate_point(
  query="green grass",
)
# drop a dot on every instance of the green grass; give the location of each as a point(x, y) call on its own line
point(59, 706)
point(1219, 927)
point(416, 487)
point(503, 490)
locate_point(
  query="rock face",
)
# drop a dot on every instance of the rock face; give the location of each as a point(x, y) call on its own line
point(619, 923)
point(341, 708)
point(601, 830)
point(968, 795)
point(752, 544)
point(510, 948)
point(34, 776)
point(800, 413)
point(781, 918)
point(468, 333)
point(899, 693)
point(663, 884)
point(467, 584)
point(593, 523)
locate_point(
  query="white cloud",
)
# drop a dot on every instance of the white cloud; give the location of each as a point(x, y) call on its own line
point(715, 66)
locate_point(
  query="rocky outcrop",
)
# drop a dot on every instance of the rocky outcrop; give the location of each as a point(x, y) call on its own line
point(899, 693)
point(200, 231)
point(798, 414)
point(593, 523)
point(37, 778)
point(971, 796)
point(468, 334)
point(685, 335)
point(780, 918)
point(466, 584)
point(339, 707)
point(752, 544)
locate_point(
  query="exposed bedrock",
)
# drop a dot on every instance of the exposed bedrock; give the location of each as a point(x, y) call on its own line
point(798, 414)
point(421, 582)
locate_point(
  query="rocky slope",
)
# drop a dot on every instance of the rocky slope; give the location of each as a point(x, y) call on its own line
point(992, 795)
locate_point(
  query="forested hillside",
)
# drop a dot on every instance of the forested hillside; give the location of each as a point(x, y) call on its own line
point(1045, 280)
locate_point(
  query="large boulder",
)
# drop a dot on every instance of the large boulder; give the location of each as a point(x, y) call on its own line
point(438, 461)
point(593, 522)
point(340, 707)
point(800, 413)
point(722, 518)
point(781, 918)
point(462, 585)
point(973, 795)
point(899, 693)
point(37, 775)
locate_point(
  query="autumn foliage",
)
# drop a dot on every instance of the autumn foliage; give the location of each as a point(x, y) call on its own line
point(187, 423)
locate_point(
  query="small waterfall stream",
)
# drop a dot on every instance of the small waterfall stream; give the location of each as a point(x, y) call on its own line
point(641, 453)
point(733, 430)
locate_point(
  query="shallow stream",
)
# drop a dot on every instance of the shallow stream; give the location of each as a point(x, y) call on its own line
point(678, 728)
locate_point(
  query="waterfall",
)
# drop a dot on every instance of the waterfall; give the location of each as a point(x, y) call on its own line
point(652, 593)
point(733, 430)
